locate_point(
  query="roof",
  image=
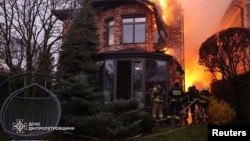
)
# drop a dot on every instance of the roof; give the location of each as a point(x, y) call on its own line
point(231, 11)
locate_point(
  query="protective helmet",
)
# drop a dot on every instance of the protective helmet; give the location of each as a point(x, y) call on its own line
point(190, 88)
point(205, 88)
point(176, 82)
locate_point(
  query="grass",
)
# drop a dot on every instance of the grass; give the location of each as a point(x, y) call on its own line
point(195, 132)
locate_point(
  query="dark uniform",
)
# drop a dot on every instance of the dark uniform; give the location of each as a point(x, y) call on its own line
point(176, 96)
point(203, 104)
point(191, 95)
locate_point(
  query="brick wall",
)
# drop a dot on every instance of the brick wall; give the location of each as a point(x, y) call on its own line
point(117, 14)
point(174, 38)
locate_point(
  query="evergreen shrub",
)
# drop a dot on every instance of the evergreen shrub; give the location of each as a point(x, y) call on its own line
point(116, 120)
point(147, 123)
point(220, 111)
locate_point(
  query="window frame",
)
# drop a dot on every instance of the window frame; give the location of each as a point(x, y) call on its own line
point(133, 23)
point(108, 29)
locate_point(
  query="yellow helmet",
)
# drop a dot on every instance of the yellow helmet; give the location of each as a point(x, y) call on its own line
point(205, 88)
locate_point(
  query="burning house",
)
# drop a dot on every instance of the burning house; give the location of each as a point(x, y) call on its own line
point(139, 46)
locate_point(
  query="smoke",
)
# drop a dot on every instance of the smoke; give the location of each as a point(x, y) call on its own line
point(201, 17)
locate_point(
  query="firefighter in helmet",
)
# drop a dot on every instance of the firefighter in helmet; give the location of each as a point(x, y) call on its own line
point(191, 97)
point(176, 96)
point(157, 98)
point(203, 104)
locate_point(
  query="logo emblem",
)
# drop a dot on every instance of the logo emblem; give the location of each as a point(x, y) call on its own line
point(19, 126)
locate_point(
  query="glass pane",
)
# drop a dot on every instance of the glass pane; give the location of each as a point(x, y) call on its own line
point(156, 71)
point(127, 33)
point(111, 36)
point(127, 20)
point(156, 38)
point(139, 33)
point(109, 70)
point(137, 76)
point(111, 23)
point(137, 82)
point(143, 19)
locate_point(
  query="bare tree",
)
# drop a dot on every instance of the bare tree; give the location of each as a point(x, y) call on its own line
point(226, 52)
point(31, 34)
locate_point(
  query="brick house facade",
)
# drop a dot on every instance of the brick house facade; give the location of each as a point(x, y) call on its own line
point(132, 36)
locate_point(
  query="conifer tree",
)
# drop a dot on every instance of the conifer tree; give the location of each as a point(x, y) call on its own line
point(80, 47)
point(78, 69)
point(77, 66)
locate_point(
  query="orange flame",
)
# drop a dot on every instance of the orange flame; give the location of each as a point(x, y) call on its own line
point(194, 73)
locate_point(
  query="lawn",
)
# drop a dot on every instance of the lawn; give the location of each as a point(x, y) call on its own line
point(195, 132)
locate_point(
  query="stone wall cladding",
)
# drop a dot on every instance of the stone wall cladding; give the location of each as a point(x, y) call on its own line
point(117, 14)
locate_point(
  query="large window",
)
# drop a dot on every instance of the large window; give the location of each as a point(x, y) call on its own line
point(109, 70)
point(137, 82)
point(134, 30)
point(155, 71)
point(110, 31)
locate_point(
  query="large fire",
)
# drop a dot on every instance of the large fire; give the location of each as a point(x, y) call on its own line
point(194, 73)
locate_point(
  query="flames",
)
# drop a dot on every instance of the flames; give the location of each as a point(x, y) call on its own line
point(162, 6)
point(194, 73)
point(166, 8)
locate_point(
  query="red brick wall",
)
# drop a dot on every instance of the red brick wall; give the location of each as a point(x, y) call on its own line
point(174, 40)
point(117, 13)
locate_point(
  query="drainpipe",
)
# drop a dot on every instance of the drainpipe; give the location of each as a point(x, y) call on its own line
point(183, 49)
point(241, 14)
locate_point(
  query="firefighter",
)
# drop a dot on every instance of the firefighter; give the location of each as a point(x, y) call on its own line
point(176, 96)
point(203, 104)
point(191, 97)
point(157, 98)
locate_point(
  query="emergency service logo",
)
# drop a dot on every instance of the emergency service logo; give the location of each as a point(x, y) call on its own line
point(19, 125)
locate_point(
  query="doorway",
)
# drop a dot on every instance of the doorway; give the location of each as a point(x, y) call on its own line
point(123, 90)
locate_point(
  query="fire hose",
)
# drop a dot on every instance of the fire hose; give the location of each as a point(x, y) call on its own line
point(184, 109)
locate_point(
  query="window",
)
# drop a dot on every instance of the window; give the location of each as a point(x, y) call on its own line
point(156, 39)
point(134, 30)
point(137, 81)
point(109, 73)
point(110, 31)
point(155, 71)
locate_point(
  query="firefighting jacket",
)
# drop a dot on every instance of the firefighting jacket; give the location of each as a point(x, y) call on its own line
point(157, 94)
point(176, 94)
point(204, 95)
point(191, 95)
